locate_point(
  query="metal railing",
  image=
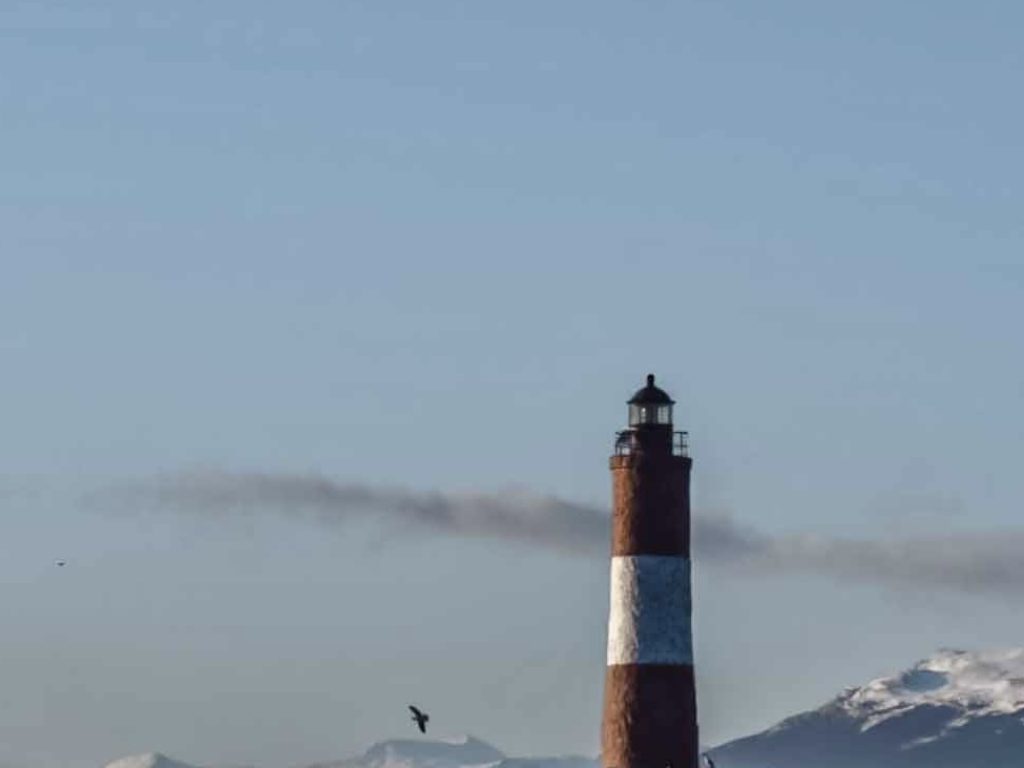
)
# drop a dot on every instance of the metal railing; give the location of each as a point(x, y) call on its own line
point(628, 443)
point(625, 443)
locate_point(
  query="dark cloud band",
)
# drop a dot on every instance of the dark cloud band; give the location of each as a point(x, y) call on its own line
point(968, 562)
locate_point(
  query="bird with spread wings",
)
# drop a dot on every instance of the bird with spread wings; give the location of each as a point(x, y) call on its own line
point(420, 718)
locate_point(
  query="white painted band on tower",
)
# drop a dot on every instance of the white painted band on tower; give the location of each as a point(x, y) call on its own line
point(649, 616)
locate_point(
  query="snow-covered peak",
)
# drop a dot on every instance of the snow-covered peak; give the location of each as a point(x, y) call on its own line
point(975, 683)
point(426, 753)
point(955, 709)
point(149, 760)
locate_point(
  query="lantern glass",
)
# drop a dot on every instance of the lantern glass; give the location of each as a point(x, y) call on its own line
point(641, 414)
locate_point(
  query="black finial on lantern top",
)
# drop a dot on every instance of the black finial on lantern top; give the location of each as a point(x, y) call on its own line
point(651, 395)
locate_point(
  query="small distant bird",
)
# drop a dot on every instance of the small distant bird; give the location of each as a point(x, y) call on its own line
point(61, 563)
point(420, 718)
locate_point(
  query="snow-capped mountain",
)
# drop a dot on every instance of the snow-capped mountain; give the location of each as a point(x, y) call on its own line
point(955, 709)
point(423, 753)
point(549, 762)
point(150, 760)
point(467, 752)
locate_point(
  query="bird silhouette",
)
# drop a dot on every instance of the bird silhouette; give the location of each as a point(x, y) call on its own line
point(420, 718)
point(61, 563)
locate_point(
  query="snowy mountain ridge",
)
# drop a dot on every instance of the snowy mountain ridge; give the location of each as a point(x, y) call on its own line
point(977, 684)
point(465, 752)
point(148, 760)
point(954, 709)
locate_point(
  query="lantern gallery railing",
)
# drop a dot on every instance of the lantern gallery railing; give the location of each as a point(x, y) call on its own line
point(627, 443)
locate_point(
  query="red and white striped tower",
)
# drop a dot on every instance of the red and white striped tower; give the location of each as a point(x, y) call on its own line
point(650, 705)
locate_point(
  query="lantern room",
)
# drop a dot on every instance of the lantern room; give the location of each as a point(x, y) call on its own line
point(650, 406)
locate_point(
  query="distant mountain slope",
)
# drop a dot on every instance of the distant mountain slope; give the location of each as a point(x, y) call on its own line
point(468, 752)
point(953, 710)
point(149, 760)
point(422, 753)
point(548, 762)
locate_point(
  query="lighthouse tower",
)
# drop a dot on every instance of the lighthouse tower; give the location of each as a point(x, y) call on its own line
point(650, 707)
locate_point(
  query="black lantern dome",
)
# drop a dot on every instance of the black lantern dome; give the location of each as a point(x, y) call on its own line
point(651, 405)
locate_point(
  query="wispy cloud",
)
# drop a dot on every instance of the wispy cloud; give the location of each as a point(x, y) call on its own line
point(968, 562)
point(990, 561)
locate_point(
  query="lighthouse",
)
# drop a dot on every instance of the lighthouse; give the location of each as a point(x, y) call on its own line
point(650, 703)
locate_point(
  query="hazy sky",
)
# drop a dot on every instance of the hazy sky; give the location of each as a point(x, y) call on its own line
point(431, 248)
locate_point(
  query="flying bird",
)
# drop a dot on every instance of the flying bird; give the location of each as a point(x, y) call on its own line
point(420, 718)
point(61, 563)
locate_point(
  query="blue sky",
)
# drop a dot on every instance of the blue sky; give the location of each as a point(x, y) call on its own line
point(436, 246)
